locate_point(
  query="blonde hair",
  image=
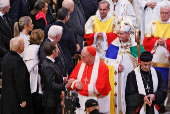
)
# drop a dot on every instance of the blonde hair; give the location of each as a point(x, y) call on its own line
point(16, 43)
point(19, 26)
point(36, 36)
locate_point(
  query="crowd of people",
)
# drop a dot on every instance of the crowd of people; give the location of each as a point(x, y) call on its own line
point(121, 71)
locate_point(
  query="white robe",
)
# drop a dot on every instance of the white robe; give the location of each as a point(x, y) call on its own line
point(146, 15)
point(129, 62)
point(161, 53)
point(156, 10)
point(31, 60)
point(100, 45)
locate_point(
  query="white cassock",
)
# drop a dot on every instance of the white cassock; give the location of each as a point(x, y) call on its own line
point(146, 15)
point(31, 60)
point(122, 7)
point(156, 11)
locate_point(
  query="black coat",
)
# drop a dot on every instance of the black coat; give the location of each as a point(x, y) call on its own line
point(52, 83)
point(38, 24)
point(59, 61)
point(16, 85)
point(90, 7)
point(67, 43)
point(78, 20)
point(18, 9)
point(6, 32)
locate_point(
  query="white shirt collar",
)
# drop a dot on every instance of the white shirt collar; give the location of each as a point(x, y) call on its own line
point(50, 59)
point(50, 39)
point(1, 14)
point(103, 20)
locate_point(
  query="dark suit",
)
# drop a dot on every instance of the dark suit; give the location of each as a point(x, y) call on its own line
point(67, 43)
point(78, 19)
point(52, 84)
point(16, 85)
point(59, 61)
point(90, 7)
point(18, 9)
point(6, 31)
point(31, 4)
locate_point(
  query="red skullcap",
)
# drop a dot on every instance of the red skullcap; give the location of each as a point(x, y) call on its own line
point(91, 50)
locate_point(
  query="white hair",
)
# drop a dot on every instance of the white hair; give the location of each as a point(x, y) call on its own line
point(55, 30)
point(3, 4)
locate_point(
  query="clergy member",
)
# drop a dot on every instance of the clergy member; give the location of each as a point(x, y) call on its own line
point(121, 8)
point(145, 89)
point(121, 58)
point(158, 43)
point(156, 10)
point(146, 7)
point(90, 78)
point(99, 29)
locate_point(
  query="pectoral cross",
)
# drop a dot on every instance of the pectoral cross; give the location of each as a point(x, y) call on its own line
point(85, 80)
point(148, 88)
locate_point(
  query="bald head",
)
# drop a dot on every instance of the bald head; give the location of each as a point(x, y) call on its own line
point(165, 13)
point(69, 4)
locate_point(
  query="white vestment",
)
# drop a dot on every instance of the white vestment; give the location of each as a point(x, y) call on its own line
point(160, 53)
point(129, 62)
point(156, 10)
point(31, 60)
point(146, 16)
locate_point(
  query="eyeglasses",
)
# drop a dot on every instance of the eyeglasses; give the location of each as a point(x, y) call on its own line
point(84, 56)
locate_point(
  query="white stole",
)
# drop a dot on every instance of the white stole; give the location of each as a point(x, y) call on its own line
point(141, 88)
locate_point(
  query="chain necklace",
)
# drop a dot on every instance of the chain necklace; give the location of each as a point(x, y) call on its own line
point(147, 82)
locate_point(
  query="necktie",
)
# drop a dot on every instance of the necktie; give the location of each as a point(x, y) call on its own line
point(5, 19)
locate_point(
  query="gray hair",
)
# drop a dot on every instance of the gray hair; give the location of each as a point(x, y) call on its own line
point(85, 49)
point(3, 4)
point(16, 43)
point(55, 30)
point(105, 2)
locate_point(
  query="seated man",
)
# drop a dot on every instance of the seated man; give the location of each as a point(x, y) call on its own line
point(157, 42)
point(90, 78)
point(145, 89)
point(99, 29)
point(92, 106)
point(121, 58)
point(52, 80)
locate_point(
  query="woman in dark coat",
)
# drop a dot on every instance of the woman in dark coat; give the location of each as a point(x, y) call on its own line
point(38, 14)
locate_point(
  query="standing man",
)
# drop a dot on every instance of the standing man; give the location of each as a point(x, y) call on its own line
point(99, 29)
point(146, 6)
point(158, 43)
point(67, 41)
point(90, 78)
point(145, 89)
point(54, 34)
point(6, 26)
point(16, 94)
point(121, 58)
point(19, 8)
point(52, 80)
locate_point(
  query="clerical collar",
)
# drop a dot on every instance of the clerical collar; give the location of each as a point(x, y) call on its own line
point(143, 72)
point(105, 19)
point(159, 20)
point(50, 59)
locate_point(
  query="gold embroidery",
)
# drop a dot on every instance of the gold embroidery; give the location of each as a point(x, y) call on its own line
point(115, 84)
point(117, 62)
point(162, 65)
point(120, 112)
point(115, 72)
point(115, 94)
point(115, 105)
